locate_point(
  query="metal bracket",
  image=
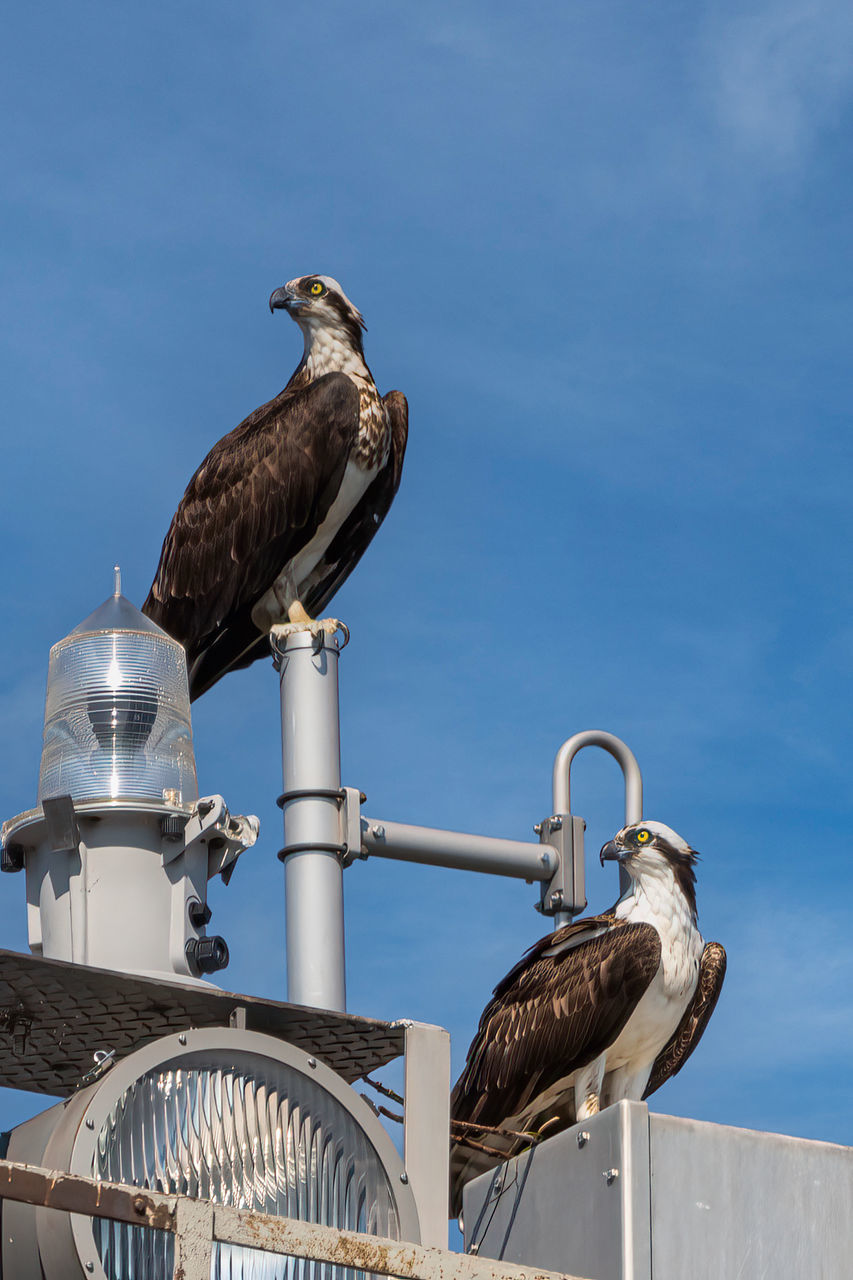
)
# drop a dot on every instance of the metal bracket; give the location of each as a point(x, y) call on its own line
point(60, 820)
point(349, 800)
point(565, 892)
point(226, 836)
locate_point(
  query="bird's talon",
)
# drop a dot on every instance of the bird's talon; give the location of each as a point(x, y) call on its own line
point(316, 627)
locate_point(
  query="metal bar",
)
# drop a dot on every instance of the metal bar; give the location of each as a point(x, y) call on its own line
point(627, 762)
point(621, 753)
point(193, 1239)
point(365, 1253)
point(436, 848)
point(76, 1194)
point(426, 1127)
point(311, 768)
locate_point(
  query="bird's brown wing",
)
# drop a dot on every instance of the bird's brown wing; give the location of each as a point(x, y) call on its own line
point(354, 536)
point(688, 1033)
point(556, 1011)
point(254, 502)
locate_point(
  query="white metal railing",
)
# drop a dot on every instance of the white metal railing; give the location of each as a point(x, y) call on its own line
point(197, 1224)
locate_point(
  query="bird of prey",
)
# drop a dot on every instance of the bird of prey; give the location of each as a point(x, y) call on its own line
point(605, 1008)
point(283, 507)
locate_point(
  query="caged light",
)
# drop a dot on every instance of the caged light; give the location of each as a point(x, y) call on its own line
point(236, 1117)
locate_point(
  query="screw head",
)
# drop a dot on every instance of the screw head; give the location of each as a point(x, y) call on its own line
point(90, 1124)
point(583, 1138)
point(610, 1176)
point(378, 830)
point(538, 828)
point(182, 1039)
point(90, 1266)
point(139, 1204)
point(404, 1177)
point(312, 1062)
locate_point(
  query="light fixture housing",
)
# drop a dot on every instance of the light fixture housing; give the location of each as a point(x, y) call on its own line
point(234, 1116)
point(119, 850)
point(117, 712)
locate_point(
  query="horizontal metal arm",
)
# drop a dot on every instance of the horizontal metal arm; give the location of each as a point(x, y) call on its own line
point(436, 848)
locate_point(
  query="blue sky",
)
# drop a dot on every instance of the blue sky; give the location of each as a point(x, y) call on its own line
point(605, 251)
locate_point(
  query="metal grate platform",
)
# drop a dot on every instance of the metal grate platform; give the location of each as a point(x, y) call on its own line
point(55, 1016)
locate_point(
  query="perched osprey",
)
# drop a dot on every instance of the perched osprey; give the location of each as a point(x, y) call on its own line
point(283, 507)
point(603, 1009)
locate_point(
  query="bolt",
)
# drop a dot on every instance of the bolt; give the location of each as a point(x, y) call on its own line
point(90, 1124)
point(557, 898)
point(90, 1266)
point(404, 1177)
point(182, 1039)
point(583, 1138)
point(312, 1062)
point(538, 828)
point(140, 1204)
point(556, 824)
point(543, 858)
point(610, 1176)
point(378, 830)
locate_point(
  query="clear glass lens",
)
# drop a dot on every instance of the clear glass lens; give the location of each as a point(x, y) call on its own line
point(251, 1133)
point(117, 719)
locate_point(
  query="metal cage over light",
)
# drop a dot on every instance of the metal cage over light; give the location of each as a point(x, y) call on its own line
point(237, 1117)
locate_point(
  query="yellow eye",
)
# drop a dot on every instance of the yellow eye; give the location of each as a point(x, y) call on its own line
point(317, 289)
point(643, 836)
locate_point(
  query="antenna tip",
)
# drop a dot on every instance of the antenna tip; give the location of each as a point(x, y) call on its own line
point(117, 580)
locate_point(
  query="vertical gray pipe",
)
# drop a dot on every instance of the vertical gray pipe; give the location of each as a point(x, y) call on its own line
point(313, 874)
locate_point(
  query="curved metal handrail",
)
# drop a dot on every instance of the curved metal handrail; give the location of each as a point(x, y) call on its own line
point(621, 753)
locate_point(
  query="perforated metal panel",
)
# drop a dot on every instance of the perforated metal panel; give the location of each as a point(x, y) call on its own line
point(54, 1017)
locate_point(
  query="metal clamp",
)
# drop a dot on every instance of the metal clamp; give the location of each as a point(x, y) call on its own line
point(311, 846)
point(311, 793)
point(225, 835)
point(565, 892)
point(349, 800)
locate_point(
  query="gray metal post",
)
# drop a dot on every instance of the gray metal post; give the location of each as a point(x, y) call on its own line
point(426, 1133)
point(313, 871)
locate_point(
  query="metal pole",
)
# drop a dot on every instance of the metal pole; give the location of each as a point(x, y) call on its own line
point(627, 762)
point(311, 769)
point(621, 753)
point(436, 848)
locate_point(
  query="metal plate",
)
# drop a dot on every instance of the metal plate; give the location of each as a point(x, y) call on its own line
point(631, 1195)
point(55, 1016)
point(577, 1203)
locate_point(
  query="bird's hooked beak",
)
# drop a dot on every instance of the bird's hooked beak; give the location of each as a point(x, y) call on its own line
point(613, 852)
point(283, 300)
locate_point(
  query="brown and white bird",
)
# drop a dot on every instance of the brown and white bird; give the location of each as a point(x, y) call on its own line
point(283, 507)
point(605, 1008)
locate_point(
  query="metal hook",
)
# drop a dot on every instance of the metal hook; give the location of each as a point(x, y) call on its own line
point(622, 754)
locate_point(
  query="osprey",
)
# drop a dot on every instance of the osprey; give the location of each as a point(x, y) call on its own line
point(605, 1008)
point(283, 507)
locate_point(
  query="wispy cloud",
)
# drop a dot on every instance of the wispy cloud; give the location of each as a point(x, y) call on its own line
point(780, 73)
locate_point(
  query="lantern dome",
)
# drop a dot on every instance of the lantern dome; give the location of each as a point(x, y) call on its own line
point(117, 712)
